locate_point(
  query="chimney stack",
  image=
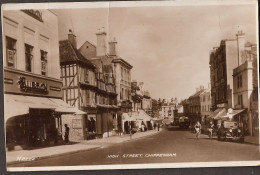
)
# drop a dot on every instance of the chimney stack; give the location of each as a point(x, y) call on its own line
point(112, 47)
point(72, 39)
point(101, 42)
point(240, 45)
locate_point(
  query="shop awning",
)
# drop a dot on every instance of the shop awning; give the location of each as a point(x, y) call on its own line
point(219, 114)
point(141, 115)
point(126, 117)
point(19, 105)
point(237, 111)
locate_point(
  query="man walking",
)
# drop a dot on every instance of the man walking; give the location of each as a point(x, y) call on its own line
point(66, 137)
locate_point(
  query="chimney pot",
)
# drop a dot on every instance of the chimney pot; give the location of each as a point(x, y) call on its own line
point(72, 39)
point(101, 42)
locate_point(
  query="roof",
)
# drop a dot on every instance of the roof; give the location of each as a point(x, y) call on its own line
point(88, 43)
point(122, 61)
point(69, 54)
point(197, 94)
point(97, 63)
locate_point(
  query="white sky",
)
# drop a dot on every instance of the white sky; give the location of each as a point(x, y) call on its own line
point(167, 46)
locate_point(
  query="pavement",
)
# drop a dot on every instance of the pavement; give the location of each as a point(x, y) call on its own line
point(16, 157)
point(172, 145)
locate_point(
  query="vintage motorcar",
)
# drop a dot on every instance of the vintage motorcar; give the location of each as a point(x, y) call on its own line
point(229, 131)
point(175, 121)
point(184, 122)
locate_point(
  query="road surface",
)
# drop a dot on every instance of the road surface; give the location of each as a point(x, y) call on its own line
point(168, 146)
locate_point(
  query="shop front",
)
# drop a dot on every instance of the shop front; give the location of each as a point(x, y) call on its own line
point(33, 110)
point(108, 121)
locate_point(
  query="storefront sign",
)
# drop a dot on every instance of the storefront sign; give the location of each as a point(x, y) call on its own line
point(21, 82)
point(32, 86)
point(77, 124)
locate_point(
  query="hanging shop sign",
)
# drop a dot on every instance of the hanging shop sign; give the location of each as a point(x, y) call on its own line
point(32, 86)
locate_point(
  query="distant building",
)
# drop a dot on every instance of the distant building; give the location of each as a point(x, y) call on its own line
point(195, 105)
point(246, 91)
point(147, 102)
point(168, 108)
point(205, 103)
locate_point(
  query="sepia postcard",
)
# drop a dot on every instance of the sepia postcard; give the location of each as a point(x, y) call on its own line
point(130, 85)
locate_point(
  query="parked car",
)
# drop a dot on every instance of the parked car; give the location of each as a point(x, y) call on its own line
point(184, 122)
point(175, 121)
point(229, 131)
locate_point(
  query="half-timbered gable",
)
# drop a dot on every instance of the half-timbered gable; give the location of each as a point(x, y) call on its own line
point(78, 77)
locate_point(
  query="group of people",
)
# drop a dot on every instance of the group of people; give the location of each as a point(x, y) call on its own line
point(197, 128)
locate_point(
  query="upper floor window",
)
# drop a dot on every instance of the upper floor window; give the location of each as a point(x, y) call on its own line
point(122, 73)
point(240, 99)
point(10, 52)
point(86, 76)
point(28, 57)
point(239, 81)
point(44, 62)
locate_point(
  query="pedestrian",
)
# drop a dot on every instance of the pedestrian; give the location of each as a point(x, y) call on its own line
point(158, 126)
point(197, 129)
point(67, 131)
point(142, 126)
point(210, 129)
point(152, 124)
point(155, 126)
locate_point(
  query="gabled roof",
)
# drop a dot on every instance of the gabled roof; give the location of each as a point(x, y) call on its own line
point(86, 43)
point(69, 54)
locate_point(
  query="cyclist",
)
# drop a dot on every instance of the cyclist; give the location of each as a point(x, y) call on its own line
point(197, 129)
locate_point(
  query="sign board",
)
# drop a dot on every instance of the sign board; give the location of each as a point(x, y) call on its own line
point(76, 123)
point(25, 83)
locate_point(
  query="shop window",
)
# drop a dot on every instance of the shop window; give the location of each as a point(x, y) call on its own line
point(10, 52)
point(28, 57)
point(44, 62)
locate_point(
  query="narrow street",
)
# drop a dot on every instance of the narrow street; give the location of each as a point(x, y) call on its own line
point(158, 148)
